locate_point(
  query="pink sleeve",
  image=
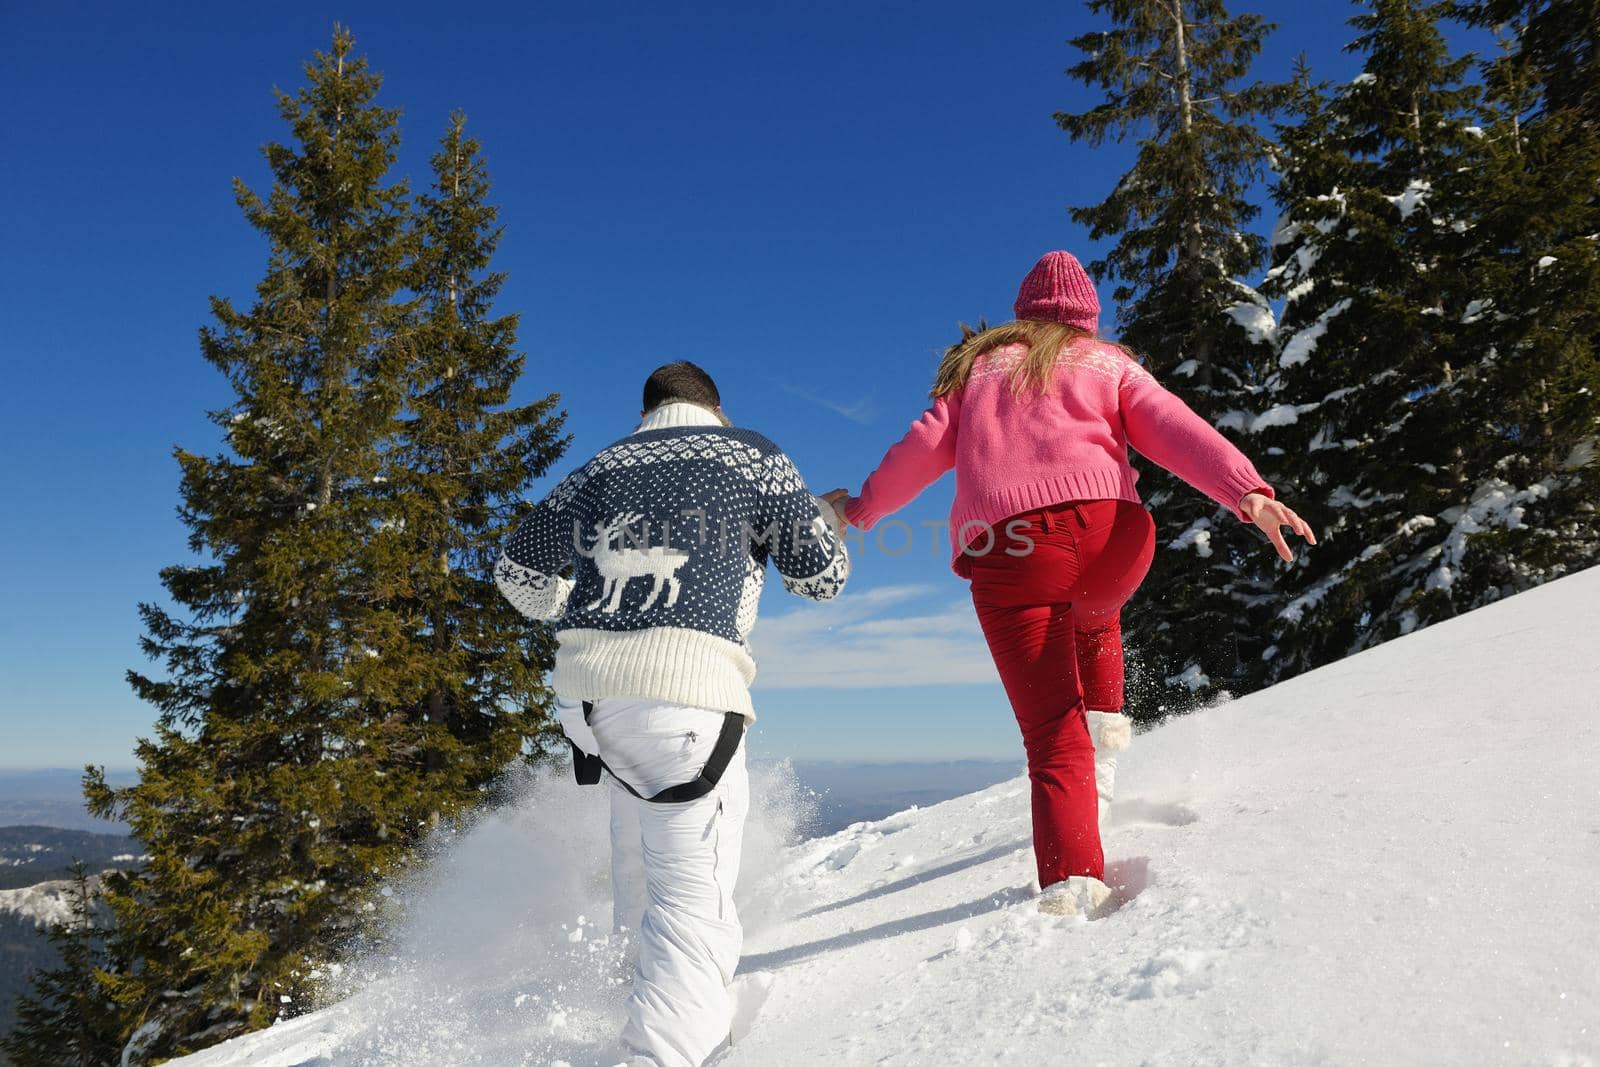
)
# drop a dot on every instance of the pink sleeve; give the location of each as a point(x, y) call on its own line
point(1166, 431)
point(911, 465)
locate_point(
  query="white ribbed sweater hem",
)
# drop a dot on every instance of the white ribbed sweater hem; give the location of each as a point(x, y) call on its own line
point(670, 663)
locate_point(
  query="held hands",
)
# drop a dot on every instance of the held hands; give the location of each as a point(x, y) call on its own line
point(1271, 516)
point(837, 499)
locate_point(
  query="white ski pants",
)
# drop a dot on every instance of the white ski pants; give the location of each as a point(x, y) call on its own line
point(673, 872)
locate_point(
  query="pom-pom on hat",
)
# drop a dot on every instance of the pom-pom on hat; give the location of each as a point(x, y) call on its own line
point(1058, 289)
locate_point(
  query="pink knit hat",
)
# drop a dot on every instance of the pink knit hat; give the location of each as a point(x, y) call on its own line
point(1058, 289)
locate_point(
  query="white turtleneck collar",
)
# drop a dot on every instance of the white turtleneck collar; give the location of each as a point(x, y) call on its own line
point(678, 413)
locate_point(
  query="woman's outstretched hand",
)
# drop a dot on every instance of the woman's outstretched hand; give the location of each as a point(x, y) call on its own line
point(1272, 516)
point(838, 498)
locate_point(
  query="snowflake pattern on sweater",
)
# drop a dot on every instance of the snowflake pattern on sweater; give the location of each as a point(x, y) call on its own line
point(1102, 360)
point(669, 530)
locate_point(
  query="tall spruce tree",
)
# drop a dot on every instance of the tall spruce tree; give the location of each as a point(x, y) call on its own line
point(1372, 412)
point(1533, 182)
point(65, 1020)
point(1174, 76)
point(459, 471)
point(315, 720)
point(1557, 44)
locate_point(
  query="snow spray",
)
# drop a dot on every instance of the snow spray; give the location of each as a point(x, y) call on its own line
point(497, 946)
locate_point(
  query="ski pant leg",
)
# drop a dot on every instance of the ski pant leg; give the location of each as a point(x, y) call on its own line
point(1116, 544)
point(680, 1010)
point(1027, 620)
point(1116, 539)
point(627, 862)
point(1032, 649)
point(1098, 648)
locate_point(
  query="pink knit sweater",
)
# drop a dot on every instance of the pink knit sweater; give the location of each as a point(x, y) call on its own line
point(1015, 453)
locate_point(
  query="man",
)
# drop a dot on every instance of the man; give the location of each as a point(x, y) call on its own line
point(667, 533)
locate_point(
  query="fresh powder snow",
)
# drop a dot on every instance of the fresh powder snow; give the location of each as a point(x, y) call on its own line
point(44, 904)
point(1256, 320)
point(1391, 859)
point(1408, 201)
point(1304, 343)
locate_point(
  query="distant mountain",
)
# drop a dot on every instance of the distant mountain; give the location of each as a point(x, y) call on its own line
point(35, 864)
point(51, 797)
point(33, 854)
point(852, 791)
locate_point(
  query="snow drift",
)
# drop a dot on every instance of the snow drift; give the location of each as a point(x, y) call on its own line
point(1392, 859)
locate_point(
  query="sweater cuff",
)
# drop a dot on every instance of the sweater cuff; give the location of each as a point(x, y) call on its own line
point(1240, 483)
point(537, 596)
point(859, 515)
point(830, 515)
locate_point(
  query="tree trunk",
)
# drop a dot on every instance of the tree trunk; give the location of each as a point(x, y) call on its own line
point(1416, 131)
point(1191, 257)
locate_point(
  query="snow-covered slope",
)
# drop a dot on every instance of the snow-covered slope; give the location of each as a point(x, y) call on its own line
point(1391, 860)
point(45, 903)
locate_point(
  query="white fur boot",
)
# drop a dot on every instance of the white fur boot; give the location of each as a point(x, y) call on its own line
point(1111, 733)
point(1078, 895)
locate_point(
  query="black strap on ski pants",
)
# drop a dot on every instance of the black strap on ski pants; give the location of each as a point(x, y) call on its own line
point(586, 767)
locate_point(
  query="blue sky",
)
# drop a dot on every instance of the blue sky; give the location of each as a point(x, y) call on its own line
point(805, 199)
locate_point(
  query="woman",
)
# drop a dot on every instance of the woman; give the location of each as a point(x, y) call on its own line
point(1036, 417)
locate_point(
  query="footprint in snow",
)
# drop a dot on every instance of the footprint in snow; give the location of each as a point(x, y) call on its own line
point(1171, 972)
point(1136, 812)
point(1127, 879)
point(749, 992)
point(840, 857)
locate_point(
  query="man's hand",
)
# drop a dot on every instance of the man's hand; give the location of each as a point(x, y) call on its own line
point(838, 498)
point(1272, 516)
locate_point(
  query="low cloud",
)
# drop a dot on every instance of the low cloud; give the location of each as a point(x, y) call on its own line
point(904, 635)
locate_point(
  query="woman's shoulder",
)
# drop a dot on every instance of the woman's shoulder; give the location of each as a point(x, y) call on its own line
point(996, 363)
point(1103, 359)
point(1002, 353)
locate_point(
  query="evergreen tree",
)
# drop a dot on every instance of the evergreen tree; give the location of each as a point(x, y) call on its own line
point(65, 1020)
point(313, 724)
point(1557, 46)
point(1172, 71)
point(459, 473)
point(1369, 403)
point(1529, 341)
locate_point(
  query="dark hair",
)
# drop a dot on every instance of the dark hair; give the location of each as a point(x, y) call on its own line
point(680, 381)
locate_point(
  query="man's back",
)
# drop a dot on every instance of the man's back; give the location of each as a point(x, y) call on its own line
point(667, 533)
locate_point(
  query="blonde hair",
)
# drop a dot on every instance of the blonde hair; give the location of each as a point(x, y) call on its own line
point(1044, 341)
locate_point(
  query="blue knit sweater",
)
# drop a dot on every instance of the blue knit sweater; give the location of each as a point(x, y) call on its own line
point(667, 534)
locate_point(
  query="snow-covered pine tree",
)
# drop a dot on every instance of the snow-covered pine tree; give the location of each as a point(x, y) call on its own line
point(1174, 74)
point(1366, 404)
point(459, 472)
point(64, 1020)
point(295, 761)
point(1527, 344)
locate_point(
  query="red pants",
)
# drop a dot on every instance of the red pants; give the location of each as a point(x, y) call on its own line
point(1052, 616)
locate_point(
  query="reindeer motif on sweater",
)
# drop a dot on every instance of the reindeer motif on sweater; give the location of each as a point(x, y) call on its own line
point(619, 565)
point(698, 508)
